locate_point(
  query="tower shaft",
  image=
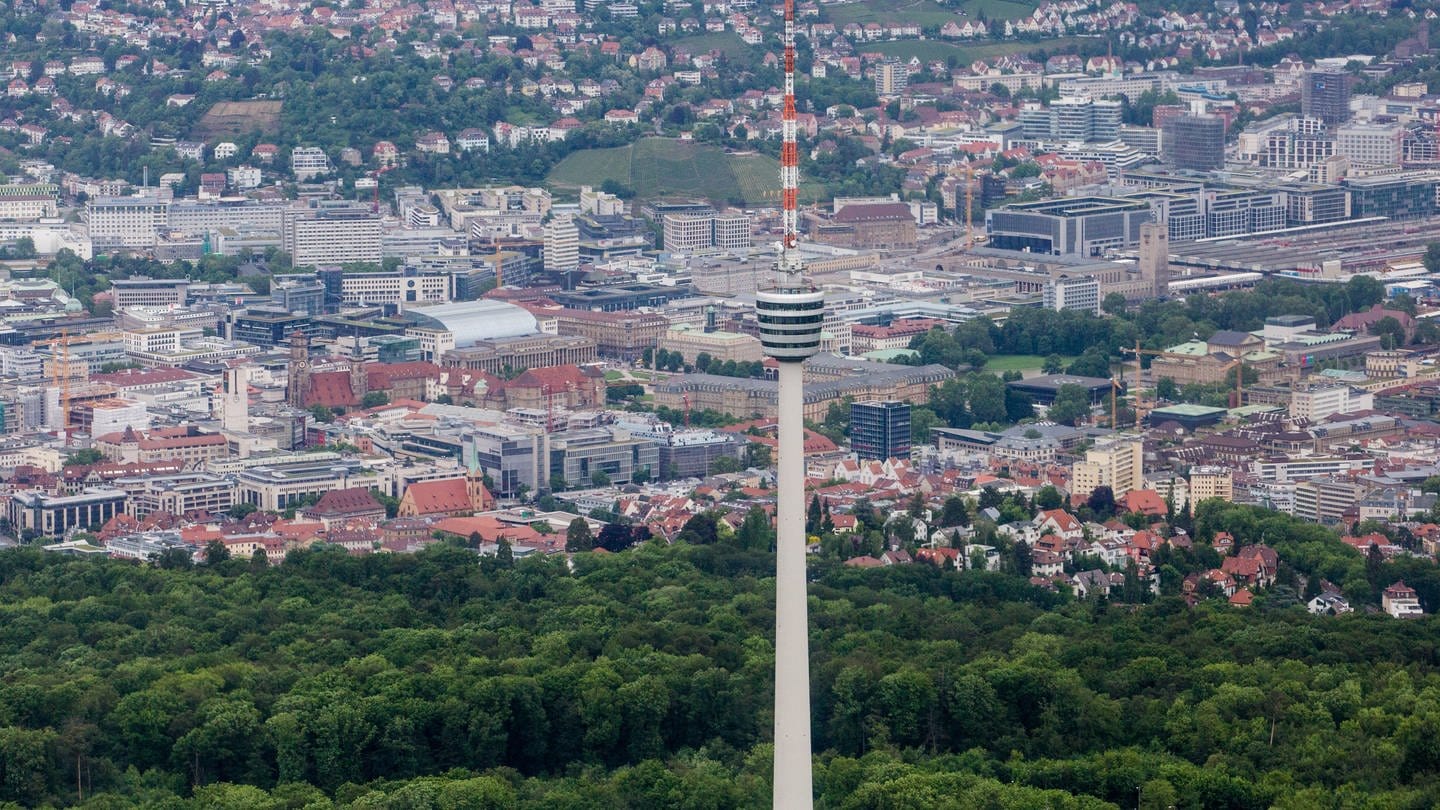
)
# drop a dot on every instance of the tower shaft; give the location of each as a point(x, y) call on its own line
point(792, 787)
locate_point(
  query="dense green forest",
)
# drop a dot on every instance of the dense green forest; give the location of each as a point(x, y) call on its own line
point(641, 679)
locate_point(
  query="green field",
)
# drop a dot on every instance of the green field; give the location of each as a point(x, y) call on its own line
point(964, 52)
point(659, 167)
point(925, 12)
point(727, 42)
point(1001, 363)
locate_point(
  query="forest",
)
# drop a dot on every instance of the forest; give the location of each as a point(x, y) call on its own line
point(641, 679)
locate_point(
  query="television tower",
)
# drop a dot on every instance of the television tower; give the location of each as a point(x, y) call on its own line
point(790, 315)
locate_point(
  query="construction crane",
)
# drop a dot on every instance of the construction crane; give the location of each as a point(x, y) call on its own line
point(1237, 398)
point(969, 207)
point(375, 204)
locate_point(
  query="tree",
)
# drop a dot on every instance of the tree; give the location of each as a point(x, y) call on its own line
point(701, 530)
point(954, 513)
point(216, 553)
point(240, 511)
point(1114, 304)
point(922, 421)
point(1072, 403)
point(1166, 389)
point(1092, 363)
point(600, 478)
point(321, 413)
point(1432, 257)
point(1048, 498)
point(374, 399)
point(987, 398)
point(725, 464)
point(1390, 332)
point(84, 457)
point(1054, 364)
point(1021, 559)
point(1018, 405)
point(813, 515)
point(1102, 502)
point(615, 537)
point(504, 552)
point(578, 537)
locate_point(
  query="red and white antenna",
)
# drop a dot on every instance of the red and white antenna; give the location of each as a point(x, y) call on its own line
point(789, 150)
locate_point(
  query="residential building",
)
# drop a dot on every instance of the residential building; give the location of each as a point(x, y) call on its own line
point(1401, 601)
point(892, 76)
point(1117, 463)
point(1211, 482)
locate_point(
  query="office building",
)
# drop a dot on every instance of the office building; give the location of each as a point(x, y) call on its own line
point(267, 328)
point(308, 162)
point(117, 223)
point(694, 233)
point(576, 456)
point(1405, 196)
point(1087, 226)
point(1370, 144)
point(194, 493)
point(1325, 500)
point(53, 515)
point(332, 236)
point(562, 244)
point(892, 76)
point(880, 430)
point(1072, 292)
point(1325, 94)
point(1195, 142)
point(143, 291)
point(1118, 464)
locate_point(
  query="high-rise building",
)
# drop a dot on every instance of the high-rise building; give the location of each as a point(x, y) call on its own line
point(1118, 464)
point(1073, 292)
point(1325, 94)
point(332, 236)
point(1211, 482)
point(892, 76)
point(880, 430)
point(562, 244)
point(1195, 142)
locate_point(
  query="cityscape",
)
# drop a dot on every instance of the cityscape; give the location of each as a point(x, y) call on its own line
point(712, 404)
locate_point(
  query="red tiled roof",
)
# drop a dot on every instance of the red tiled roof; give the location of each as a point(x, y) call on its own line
point(440, 497)
point(330, 389)
point(342, 502)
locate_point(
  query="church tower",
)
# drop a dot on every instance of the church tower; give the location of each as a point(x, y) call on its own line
point(299, 381)
point(359, 379)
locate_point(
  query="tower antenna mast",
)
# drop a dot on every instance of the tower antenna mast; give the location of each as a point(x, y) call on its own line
point(791, 314)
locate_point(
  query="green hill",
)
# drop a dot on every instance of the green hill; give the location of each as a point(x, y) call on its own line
point(664, 167)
